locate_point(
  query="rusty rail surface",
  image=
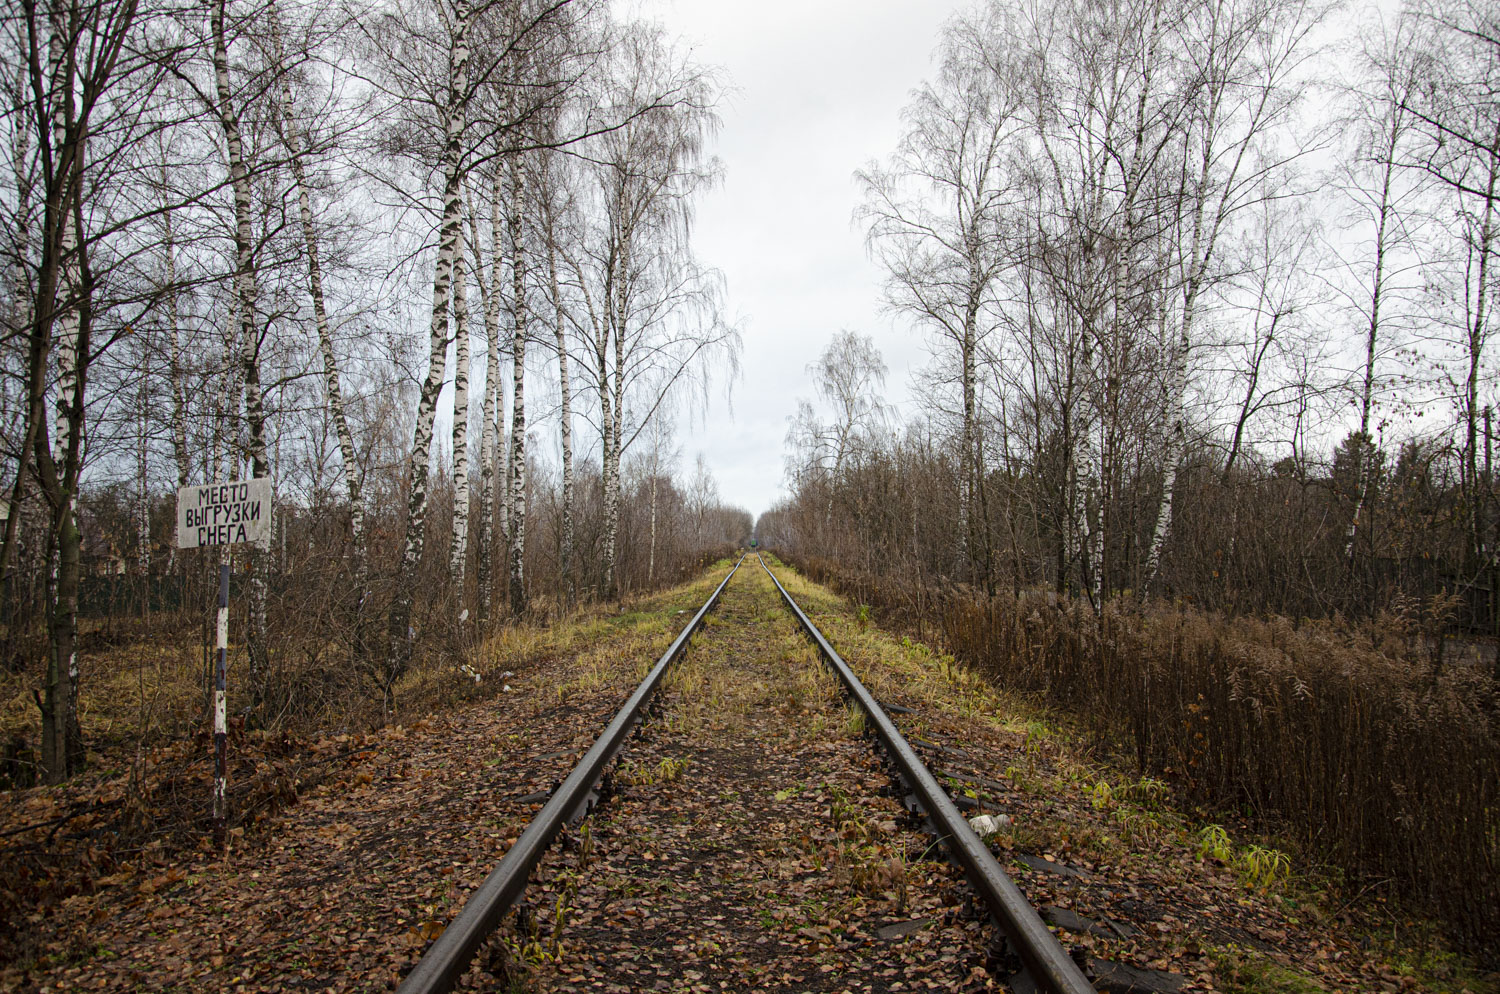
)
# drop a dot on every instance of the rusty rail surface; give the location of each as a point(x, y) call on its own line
point(1046, 960)
point(449, 956)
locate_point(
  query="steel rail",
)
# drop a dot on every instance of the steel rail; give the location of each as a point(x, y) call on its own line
point(1045, 958)
point(449, 956)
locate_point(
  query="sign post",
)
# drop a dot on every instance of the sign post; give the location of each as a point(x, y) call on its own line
point(221, 718)
point(223, 514)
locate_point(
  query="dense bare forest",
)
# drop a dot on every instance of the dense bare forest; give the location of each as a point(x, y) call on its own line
point(1209, 290)
point(426, 266)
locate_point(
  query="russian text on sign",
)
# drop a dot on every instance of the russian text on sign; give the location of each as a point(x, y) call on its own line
point(224, 513)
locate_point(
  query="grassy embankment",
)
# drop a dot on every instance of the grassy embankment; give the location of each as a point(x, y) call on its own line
point(1339, 764)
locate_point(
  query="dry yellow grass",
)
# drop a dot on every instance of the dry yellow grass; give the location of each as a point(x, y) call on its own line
point(155, 688)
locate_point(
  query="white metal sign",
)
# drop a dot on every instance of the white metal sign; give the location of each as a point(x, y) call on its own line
point(224, 513)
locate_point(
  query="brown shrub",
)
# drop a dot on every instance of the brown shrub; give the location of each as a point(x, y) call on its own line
point(1356, 741)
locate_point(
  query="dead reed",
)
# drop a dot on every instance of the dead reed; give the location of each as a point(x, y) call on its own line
point(1357, 741)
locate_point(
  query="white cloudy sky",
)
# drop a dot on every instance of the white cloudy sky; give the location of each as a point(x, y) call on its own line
point(817, 91)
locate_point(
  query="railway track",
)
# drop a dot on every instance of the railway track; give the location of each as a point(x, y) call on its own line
point(721, 851)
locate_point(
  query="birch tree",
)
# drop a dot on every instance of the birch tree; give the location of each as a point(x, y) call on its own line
point(458, 550)
point(1103, 105)
point(849, 377)
point(652, 311)
point(935, 216)
point(659, 437)
point(453, 117)
point(519, 308)
point(1385, 201)
point(1458, 117)
point(298, 148)
point(245, 292)
point(549, 195)
point(492, 404)
point(88, 54)
point(428, 53)
point(1247, 70)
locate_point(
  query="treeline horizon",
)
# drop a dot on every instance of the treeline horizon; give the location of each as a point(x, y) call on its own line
point(1264, 537)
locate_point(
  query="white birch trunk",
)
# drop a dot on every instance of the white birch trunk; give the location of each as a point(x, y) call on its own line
point(1477, 333)
point(62, 740)
point(651, 556)
point(518, 403)
point(1211, 202)
point(65, 323)
point(175, 371)
point(497, 283)
point(298, 147)
point(1085, 485)
point(1372, 332)
point(1174, 387)
point(606, 445)
point(489, 297)
point(966, 436)
point(20, 319)
point(65, 330)
point(245, 295)
point(20, 149)
point(1124, 316)
point(400, 631)
point(228, 390)
point(1174, 392)
point(617, 448)
point(612, 393)
point(565, 388)
point(458, 552)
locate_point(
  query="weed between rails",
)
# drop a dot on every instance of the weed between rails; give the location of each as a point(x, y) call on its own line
point(669, 769)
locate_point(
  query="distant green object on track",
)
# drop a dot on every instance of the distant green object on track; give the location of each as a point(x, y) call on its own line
point(752, 543)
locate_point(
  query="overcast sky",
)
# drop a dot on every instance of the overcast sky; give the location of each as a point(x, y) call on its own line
point(817, 89)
